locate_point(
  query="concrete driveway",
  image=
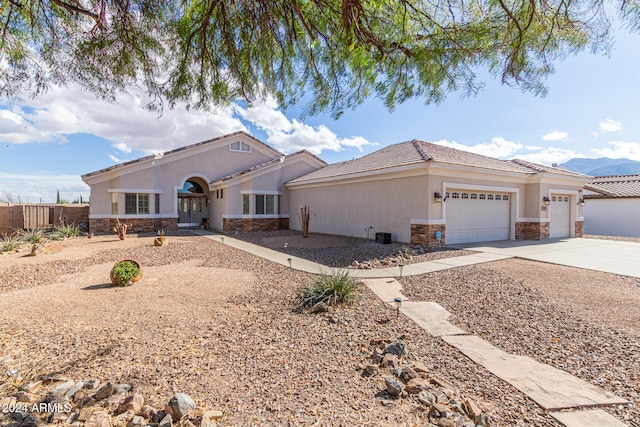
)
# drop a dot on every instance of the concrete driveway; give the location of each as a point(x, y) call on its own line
point(593, 254)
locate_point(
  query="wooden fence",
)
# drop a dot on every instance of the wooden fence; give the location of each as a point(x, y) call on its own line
point(28, 216)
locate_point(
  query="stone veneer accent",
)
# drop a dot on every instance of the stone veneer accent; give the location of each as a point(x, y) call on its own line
point(425, 234)
point(532, 230)
point(138, 225)
point(254, 224)
point(579, 228)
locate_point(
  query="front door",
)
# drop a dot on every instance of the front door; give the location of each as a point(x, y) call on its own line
point(191, 210)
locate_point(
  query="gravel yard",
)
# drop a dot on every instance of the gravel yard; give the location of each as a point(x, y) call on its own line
point(223, 326)
point(583, 322)
point(340, 251)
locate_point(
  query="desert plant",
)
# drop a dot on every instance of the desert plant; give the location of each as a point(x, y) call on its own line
point(32, 235)
point(330, 289)
point(70, 230)
point(125, 272)
point(10, 242)
point(121, 229)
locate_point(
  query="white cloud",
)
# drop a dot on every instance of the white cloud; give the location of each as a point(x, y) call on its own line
point(498, 147)
point(292, 135)
point(608, 125)
point(128, 126)
point(555, 136)
point(620, 150)
point(115, 159)
point(38, 187)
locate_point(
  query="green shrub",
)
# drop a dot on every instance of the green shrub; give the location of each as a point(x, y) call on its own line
point(10, 242)
point(71, 230)
point(330, 289)
point(32, 235)
point(125, 271)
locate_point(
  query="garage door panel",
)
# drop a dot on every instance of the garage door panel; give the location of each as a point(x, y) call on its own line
point(477, 219)
point(560, 216)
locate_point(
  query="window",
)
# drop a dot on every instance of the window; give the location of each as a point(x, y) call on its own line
point(553, 199)
point(489, 196)
point(483, 196)
point(474, 196)
point(265, 204)
point(465, 195)
point(245, 204)
point(222, 193)
point(240, 146)
point(566, 199)
point(455, 195)
point(114, 203)
point(505, 197)
point(498, 197)
point(136, 203)
point(157, 203)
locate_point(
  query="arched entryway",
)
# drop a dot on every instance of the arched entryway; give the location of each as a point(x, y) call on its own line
point(193, 203)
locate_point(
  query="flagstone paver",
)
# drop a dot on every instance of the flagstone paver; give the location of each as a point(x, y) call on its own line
point(431, 317)
point(590, 418)
point(551, 388)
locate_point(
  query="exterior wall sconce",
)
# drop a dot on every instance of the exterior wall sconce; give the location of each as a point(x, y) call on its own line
point(437, 197)
point(546, 200)
point(581, 202)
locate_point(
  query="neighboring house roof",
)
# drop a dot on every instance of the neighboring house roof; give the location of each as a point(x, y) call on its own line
point(614, 187)
point(177, 150)
point(414, 152)
point(267, 164)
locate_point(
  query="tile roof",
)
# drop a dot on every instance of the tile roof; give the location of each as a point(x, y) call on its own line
point(177, 150)
point(266, 164)
point(415, 151)
point(614, 187)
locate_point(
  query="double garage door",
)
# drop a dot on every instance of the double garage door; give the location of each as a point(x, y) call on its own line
point(477, 216)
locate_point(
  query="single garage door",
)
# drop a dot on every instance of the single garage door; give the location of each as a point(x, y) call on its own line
point(476, 216)
point(560, 215)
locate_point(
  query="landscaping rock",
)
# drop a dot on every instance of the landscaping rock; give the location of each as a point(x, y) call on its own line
point(132, 403)
point(397, 348)
point(121, 388)
point(426, 398)
point(416, 385)
point(394, 387)
point(99, 419)
point(180, 405)
point(390, 360)
point(62, 388)
point(167, 421)
point(74, 389)
point(105, 391)
point(371, 369)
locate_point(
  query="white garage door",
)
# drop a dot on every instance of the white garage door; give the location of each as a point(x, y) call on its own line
point(476, 216)
point(559, 223)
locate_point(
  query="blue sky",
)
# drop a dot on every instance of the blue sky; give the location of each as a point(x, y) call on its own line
point(591, 111)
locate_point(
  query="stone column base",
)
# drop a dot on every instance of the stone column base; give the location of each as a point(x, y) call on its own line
point(254, 224)
point(532, 230)
point(425, 234)
point(138, 225)
point(579, 228)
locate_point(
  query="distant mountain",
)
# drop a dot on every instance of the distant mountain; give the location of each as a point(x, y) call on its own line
point(603, 166)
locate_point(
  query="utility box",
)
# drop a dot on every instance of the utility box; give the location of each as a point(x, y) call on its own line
point(383, 238)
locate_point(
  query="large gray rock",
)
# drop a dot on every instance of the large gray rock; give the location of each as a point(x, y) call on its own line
point(394, 387)
point(105, 391)
point(397, 348)
point(180, 405)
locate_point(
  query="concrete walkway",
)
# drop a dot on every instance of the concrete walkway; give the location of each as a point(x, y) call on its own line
point(551, 388)
point(307, 266)
point(610, 256)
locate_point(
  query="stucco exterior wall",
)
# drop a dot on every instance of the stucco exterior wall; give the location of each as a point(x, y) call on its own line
point(363, 208)
point(165, 175)
point(271, 180)
point(612, 217)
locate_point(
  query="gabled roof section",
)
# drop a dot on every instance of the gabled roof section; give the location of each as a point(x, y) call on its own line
point(404, 153)
point(547, 169)
point(267, 164)
point(181, 149)
point(618, 186)
point(416, 151)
